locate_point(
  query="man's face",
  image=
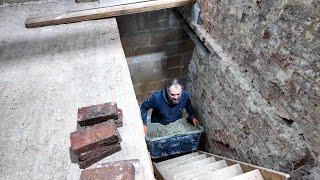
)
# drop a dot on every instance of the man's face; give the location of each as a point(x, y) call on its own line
point(174, 94)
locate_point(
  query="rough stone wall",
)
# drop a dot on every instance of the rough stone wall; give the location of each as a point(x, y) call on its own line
point(260, 101)
point(156, 47)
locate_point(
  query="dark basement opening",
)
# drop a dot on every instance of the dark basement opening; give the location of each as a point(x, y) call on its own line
point(157, 47)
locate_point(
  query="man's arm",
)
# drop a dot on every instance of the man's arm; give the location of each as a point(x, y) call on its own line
point(190, 110)
point(191, 113)
point(145, 106)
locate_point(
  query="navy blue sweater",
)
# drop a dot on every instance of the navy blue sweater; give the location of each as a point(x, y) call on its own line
point(163, 111)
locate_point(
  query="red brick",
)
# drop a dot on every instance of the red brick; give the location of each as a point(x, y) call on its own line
point(120, 170)
point(98, 151)
point(94, 136)
point(119, 121)
point(95, 114)
point(91, 157)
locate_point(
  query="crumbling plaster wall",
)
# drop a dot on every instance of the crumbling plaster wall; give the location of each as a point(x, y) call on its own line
point(258, 94)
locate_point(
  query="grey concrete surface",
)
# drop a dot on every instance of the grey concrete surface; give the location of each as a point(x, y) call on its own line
point(46, 74)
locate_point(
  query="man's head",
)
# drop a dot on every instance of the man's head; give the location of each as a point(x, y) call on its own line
point(174, 90)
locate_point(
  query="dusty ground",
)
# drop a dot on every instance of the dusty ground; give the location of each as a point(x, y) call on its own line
point(46, 74)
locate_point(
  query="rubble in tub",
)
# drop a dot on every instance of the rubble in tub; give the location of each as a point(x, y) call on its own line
point(180, 126)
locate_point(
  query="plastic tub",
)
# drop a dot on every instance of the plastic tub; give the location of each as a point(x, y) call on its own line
point(166, 144)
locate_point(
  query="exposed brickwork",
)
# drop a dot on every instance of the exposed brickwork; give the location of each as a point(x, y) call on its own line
point(93, 137)
point(259, 98)
point(121, 170)
point(96, 114)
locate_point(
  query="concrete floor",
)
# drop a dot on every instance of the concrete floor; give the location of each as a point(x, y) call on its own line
point(46, 74)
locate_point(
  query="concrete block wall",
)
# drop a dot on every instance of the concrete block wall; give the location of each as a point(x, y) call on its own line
point(157, 49)
point(258, 93)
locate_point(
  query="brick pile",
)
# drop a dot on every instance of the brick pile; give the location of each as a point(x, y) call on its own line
point(99, 136)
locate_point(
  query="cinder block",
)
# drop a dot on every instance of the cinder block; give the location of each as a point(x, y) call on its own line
point(186, 58)
point(128, 51)
point(127, 24)
point(185, 46)
point(151, 86)
point(184, 71)
point(120, 170)
point(159, 15)
point(142, 50)
point(95, 114)
point(93, 137)
point(173, 61)
point(142, 97)
point(143, 21)
point(173, 72)
point(169, 49)
point(137, 39)
point(182, 34)
point(163, 36)
point(156, 25)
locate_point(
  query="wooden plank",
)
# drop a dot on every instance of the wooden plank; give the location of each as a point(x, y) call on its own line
point(99, 13)
point(106, 3)
point(85, 1)
point(268, 174)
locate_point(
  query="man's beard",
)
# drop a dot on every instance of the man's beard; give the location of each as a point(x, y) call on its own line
point(172, 101)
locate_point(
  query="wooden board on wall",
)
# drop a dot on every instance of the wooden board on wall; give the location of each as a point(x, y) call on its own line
point(100, 13)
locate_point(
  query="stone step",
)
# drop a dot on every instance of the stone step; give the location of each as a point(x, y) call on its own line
point(182, 162)
point(251, 175)
point(170, 173)
point(201, 170)
point(180, 158)
point(222, 174)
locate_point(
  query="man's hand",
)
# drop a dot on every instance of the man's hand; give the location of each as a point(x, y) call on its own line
point(195, 122)
point(145, 128)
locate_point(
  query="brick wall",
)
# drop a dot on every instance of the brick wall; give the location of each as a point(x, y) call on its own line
point(258, 95)
point(156, 47)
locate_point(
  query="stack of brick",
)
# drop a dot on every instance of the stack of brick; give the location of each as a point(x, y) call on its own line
point(99, 137)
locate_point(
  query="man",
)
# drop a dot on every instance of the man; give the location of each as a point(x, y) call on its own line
point(168, 105)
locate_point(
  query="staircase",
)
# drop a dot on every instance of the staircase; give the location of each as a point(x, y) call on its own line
point(201, 166)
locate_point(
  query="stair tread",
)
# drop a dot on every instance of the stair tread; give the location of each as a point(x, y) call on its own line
point(202, 170)
point(179, 163)
point(163, 169)
point(190, 165)
point(251, 175)
point(222, 174)
point(177, 159)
